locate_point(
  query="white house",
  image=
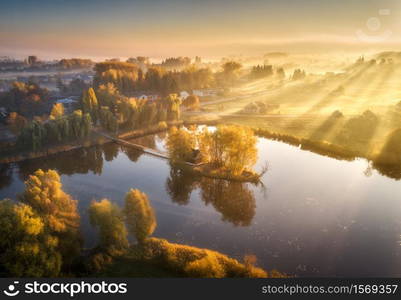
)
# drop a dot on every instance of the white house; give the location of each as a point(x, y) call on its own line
point(151, 97)
point(184, 94)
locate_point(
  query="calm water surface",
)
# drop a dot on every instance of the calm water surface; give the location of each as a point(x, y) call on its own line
point(314, 216)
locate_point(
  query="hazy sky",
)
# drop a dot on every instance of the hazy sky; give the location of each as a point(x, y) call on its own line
point(156, 28)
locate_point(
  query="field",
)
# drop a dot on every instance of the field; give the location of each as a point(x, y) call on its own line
point(331, 107)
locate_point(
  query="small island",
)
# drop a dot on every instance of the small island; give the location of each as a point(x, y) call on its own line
point(226, 152)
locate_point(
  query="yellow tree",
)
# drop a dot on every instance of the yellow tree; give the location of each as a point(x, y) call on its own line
point(140, 216)
point(26, 248)
point(241, 152)
point(180, 144)
point(57, 111)
point(44, 193)
point(107, 217)
point(191, 102)
point(230, 147)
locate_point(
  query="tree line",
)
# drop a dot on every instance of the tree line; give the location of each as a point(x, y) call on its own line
point(113, 110)
point(37, 134)
point(128, 78)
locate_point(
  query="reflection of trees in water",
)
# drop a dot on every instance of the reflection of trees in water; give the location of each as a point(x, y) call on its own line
point(234, 200)
point(6, 173)
point(147, 141)
point(80, 161)
point(132, 153)
point(179, 185)
point(110, 151)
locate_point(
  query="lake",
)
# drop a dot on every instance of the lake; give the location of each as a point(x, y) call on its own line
point(313, 215)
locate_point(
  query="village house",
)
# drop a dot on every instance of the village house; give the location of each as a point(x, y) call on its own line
point(184, 94)
point(68, 103)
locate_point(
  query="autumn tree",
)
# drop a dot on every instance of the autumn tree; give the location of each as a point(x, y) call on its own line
point(43, 192)
point(108, 95)
point(108, 120)
point(108, 218)
point(229, 147)
point(191, 102)
point(139, 214)
point(27, 249)
point(172, 104)
point(231, 71)
point(37, 134)
point(89, 103)
point(57, 111)
point(180, 144)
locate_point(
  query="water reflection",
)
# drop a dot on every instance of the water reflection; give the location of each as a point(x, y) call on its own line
point(180, 185)
point(79, 161)
point(234, 200)
point(110, 151)
point(5, 175)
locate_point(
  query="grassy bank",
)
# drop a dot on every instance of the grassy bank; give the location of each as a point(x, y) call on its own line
point(159, 258)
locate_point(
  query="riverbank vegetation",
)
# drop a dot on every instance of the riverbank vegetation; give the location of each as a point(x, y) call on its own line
point(41, 238)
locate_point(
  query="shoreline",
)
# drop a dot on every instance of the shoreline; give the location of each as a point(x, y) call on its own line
point(93, 141)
